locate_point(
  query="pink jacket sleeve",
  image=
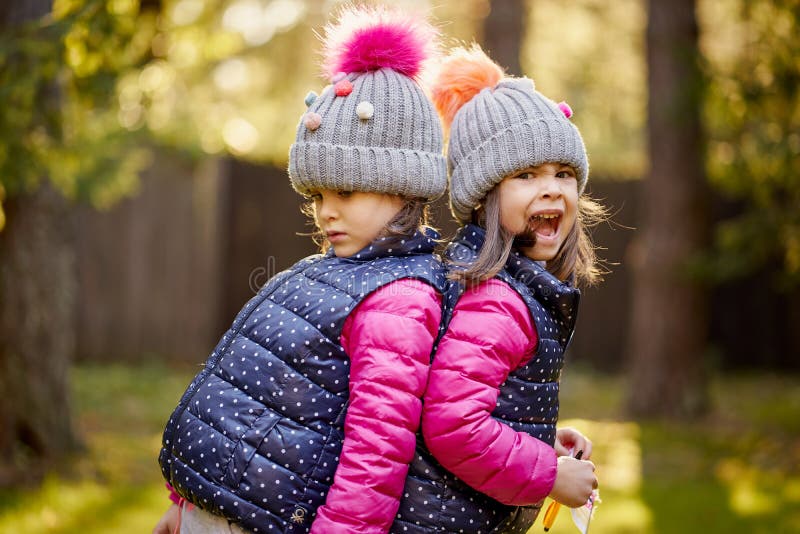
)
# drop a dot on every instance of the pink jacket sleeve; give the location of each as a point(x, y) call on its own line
point(491, 334)
point(389, 338)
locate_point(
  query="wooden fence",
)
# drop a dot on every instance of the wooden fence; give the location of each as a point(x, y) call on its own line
point(163, 274)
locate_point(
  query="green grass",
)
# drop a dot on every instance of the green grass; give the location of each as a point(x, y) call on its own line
point(115, 485)
point(738, 470)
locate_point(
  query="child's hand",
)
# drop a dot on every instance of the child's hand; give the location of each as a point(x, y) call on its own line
point(575, 481)
point(569, 441)
point(168, 521)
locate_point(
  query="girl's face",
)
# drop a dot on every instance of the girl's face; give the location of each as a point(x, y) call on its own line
point(353, 220)
point(540, 205)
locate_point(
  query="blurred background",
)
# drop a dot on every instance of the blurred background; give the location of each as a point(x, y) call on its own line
point(144, 199)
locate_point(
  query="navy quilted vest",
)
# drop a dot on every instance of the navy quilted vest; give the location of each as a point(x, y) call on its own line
point(256, 436)
point(528, 400)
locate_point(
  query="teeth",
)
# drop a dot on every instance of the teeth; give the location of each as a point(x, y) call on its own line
point(546, 216)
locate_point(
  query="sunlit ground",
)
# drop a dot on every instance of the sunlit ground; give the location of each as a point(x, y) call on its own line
point(736, 471)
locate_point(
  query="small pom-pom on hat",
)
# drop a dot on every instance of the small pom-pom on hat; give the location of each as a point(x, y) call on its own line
point(463, 73)
point(312, 120)
point(343, 87)
point(310, 98)
point(565, 109)
point(365, 39)
point(365, 110)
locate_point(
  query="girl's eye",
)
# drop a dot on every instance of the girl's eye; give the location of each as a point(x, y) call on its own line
point(565, 174)
point(315, 197)
point(345, 194)
point(524, 176)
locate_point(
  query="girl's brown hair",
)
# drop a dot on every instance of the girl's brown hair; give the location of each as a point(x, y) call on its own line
point(413, 216)
point(577, 256)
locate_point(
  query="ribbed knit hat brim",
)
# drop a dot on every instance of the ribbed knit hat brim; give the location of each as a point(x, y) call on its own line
point(395, 171)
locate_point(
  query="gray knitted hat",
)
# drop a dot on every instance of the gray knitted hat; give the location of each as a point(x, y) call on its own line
point(374, 129)
point(503, 127)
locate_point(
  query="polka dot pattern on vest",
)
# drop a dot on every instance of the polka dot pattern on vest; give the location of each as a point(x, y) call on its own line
point(256, 436)
point(527, 401)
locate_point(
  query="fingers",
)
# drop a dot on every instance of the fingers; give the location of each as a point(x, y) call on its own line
point(569, 438)
point(591, 479)
point(584, 445)
point(594, 477)
point(575, 481)
point(587, 448)
point(561, 450)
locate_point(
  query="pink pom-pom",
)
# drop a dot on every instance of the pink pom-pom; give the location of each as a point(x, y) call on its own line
point(565, 109)
point(366, 39)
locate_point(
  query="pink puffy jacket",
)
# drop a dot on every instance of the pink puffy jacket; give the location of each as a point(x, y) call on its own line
point(490, 334)
point(389, 338)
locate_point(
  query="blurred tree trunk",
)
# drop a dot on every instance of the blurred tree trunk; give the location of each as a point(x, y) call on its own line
point(37, 288)
point(503, 31)
point(668, 333)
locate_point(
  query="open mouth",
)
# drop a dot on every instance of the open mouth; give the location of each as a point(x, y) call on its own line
point(542, 228)
point(544, 225)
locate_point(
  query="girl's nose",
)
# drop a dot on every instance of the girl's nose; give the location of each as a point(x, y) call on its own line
point(326, 209)
point(549, 186)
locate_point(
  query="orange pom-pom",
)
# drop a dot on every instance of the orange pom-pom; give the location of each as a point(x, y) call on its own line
point(462, 74)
